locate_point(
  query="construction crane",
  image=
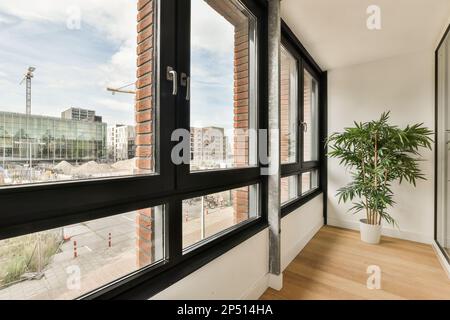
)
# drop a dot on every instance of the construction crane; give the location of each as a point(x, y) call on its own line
point(121, 89)
point(27, 77)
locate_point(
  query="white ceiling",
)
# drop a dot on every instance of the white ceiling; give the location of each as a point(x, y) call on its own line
point(336, 35)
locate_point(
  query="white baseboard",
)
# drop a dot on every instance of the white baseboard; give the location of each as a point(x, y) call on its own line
point(386, 231)
point(257, 289)
point(260, 286)
point(293, 252)
point(442, 259)
point(276, 281)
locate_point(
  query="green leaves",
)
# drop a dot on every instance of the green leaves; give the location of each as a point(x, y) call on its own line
point(378, 154)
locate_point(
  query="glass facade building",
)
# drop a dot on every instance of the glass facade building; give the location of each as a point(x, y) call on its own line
point(50, 139)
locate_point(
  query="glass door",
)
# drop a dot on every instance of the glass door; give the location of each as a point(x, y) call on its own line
point(443, 145)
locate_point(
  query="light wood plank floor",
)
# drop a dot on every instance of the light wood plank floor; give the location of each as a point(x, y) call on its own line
point(334, 264)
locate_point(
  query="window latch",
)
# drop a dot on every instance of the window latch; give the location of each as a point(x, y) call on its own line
point(172, 75)
point(186, 82)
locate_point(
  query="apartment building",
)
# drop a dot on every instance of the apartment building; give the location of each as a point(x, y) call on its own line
point(121, 142)
point(209, 148)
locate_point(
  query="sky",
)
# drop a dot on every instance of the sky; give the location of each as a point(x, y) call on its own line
point(212, 68)
point(75, 61)
point(81, 47)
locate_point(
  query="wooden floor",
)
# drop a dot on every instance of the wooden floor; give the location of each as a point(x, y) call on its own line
point(334, 264)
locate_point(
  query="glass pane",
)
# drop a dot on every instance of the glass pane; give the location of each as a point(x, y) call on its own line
point(310, 181)
point(306, 182)
point(73, 115)
point(289, 107)
point(207, 216)
point(289, 189)
point(67, 262)
point(314, 179)
point(310, 118)
point(443, 148)
point(223, 85)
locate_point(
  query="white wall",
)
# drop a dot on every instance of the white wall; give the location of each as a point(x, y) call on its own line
point(242, 273)
point(404, 85)
point(441, 34)
point(298, 228)
point(231, 276)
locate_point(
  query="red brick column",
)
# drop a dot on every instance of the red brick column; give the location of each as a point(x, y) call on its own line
point(307, 114)
point(284, 109)
point(145, 249)
point(241, 116)
point(144, 125)
point(284, 122)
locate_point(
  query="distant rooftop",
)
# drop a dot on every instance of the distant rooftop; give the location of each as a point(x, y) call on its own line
point(80, 114)
point(97, 119)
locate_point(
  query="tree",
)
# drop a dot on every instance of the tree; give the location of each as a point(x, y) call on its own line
point(378, 154)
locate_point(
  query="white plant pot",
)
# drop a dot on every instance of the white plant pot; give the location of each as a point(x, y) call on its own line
point(369, 233)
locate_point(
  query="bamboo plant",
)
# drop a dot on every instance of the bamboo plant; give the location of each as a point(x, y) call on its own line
point(378, 154)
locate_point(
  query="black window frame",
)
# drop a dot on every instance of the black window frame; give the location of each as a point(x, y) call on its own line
point(436, 144)
point(305, 62)
point(34, 208)
point(186, 179)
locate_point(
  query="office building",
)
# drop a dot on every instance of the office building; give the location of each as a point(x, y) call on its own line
point(121, 142)
point(50, 139)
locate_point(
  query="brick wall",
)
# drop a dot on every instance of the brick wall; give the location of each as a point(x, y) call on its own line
point(241, 95)
point(307, 116)
point(284, 109)
point(284, 122)
point(241, 116)
point(144, 125)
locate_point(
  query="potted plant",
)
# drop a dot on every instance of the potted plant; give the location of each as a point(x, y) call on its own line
point(377, 155)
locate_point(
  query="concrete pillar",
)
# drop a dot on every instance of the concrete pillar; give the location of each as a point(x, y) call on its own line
point(274, 75)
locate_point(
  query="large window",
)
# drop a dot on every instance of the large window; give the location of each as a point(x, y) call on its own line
point(69, 261)
point(289, 189)
point(289, 107)
point(208, 216)
point(94, 198)
point(299, 123)
point(310, 118)
point(297, 186)
point(223, 72)
point(69, 84)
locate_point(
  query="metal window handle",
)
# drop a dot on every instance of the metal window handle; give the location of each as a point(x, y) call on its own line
point(188, 89)
point(186, 82)
point(172, 75)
